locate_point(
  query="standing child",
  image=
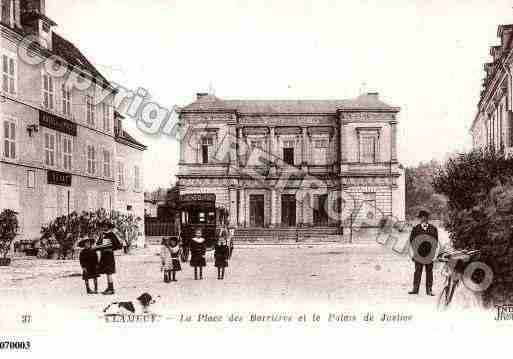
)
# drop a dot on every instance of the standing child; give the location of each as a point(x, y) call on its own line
point(175, 257)
point(221, 255)
point(89, 264)
point(107, 266)
point(170, 254)
point(198, 251)
point(165, 255)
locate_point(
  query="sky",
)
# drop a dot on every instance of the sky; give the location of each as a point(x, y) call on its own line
point(425, 56)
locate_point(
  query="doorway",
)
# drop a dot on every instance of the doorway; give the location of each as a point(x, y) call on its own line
point(288, 210)
point(288, 156)
point(320, 216)
point(256, 210)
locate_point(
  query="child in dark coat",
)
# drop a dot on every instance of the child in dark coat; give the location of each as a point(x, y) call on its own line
point(107, 260)
point(198, 251)
point(89, 264)
point(221, 255)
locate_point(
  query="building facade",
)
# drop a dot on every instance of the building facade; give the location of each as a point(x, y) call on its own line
point(63, 145)
point(291, 163)
point(493, 124)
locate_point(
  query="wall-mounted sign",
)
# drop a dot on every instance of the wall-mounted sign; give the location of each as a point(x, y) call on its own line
point(59, 178)
point(192, 197)
point(57, 123)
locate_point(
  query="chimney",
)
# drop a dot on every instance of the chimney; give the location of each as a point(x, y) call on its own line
point(200, 95)
point(35, 22)
point(504, 32)
point(373, 95)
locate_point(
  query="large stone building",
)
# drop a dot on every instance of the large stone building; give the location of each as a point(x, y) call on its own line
point(293, 163)
point(63, 146)
point(493, 124)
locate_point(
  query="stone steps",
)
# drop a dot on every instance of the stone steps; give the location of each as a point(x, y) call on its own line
point(286, 235)
point(303, 235)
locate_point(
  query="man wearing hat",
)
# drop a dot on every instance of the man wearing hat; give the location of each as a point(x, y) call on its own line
point(424, 243)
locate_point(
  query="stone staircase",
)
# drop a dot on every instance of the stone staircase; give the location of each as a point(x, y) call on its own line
point(286, 235)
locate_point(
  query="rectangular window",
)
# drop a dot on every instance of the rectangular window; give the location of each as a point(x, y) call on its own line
point(501, 125)
point(257, 144)
point(288, 144)
point(48, 92)
point(321, 143)
point(121, 174)
point(137, 178)
point(368, 149)
point(369, 205)
point(6, 12)
point(320, 151)
point(50, 149)
point(106, 118)
point(117, 127)
point(90, 108)
point(67, 153)
point(66, 100)
point(31, 179)
point(107, 202)
point(8, 74)
point(9, 139)
point(106, 163)
point(91, 160)
point(92, 200)
point(206, 145)
point(510, 125)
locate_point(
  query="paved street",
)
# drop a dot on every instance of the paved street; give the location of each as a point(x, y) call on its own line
point(293, 277)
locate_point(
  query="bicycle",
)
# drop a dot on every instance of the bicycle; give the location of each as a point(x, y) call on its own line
point(455, 262)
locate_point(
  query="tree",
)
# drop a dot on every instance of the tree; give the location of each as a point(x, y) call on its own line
point(480, 200)
point(420, 193)
point(8, 230)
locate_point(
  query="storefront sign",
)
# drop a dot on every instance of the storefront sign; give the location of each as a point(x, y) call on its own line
point(194, 197)
point(57, 123)
point(59, 178)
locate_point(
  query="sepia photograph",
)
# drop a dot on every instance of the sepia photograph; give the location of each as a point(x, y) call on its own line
point(255, 177)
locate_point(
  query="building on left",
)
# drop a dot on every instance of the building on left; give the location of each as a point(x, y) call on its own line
point(63, 145)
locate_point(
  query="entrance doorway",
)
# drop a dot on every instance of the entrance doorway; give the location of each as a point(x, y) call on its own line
point(288, 156)
point(256, 210)
point(320, 217)
point(288, 210)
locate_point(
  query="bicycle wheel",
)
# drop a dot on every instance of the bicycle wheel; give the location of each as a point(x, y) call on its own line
point(442, 302)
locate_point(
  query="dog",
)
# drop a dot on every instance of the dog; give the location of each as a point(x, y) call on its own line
point(140, 306)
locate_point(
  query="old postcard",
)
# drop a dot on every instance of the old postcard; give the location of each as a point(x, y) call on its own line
point(255, 178)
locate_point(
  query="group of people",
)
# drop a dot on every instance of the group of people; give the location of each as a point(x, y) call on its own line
point(423, 238)
point(171, 252)
point(97, 258)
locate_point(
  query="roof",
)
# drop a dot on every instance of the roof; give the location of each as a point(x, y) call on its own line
point(211, 103)
point(72, 55)
point(125, 138)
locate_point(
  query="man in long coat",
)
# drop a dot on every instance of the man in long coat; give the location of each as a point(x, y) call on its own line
point(424, 243)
